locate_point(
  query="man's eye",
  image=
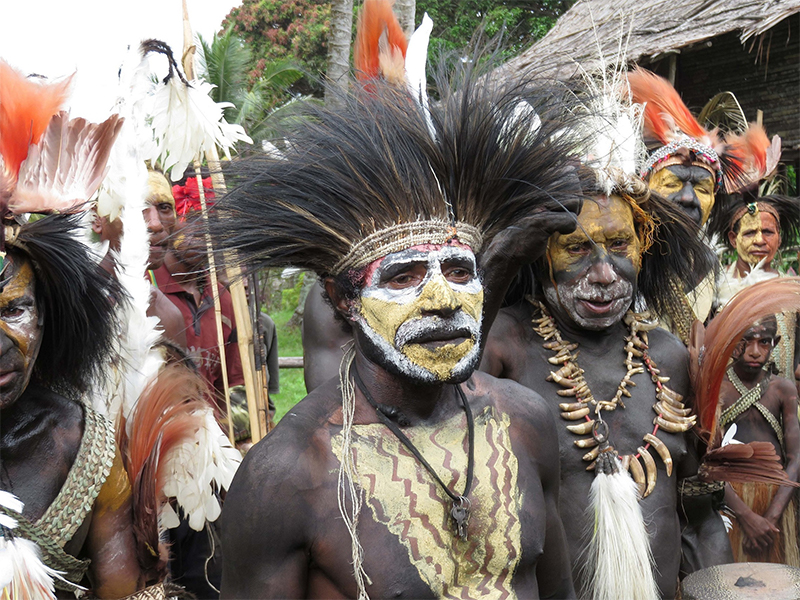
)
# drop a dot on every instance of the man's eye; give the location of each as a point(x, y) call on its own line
point(402, 279)
point(459, 274)
point(619, 245)
point(9, 312)
point(578, 249)
point(164, 207)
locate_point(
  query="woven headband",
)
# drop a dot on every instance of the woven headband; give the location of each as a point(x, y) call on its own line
point(405, 235)
point(753, 208)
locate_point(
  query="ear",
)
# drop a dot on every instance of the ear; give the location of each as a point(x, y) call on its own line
point(732, 238)
point(97, 224)
point(338, 300)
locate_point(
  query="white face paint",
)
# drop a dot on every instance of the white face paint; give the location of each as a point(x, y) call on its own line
point(421, 309)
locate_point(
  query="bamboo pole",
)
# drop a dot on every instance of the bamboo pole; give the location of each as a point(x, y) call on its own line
point(188, 68)
point(244, 330)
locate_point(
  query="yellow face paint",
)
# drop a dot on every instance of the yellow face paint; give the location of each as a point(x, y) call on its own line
point(416, 512)
point(19, 323)
point(671, 186)
point(758, 237)
point(422, 309)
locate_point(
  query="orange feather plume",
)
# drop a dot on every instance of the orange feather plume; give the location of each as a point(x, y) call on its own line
point(752, 146)
point(724, 332)
point(26, 107)
point(380, 46)
point(664, 111)
point(752, 462)
point(168, 413)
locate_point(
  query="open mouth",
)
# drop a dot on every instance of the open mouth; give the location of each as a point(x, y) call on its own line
point(439, 338)
point(598, 307)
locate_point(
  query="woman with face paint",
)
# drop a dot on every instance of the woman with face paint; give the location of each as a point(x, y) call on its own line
point(756, 229)
point(408, 475)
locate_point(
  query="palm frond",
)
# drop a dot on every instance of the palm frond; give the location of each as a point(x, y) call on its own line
point(724, 112)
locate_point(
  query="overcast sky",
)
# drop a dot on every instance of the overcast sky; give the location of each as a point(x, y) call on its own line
point(55, 38)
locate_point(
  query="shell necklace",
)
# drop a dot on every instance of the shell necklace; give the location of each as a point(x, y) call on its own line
point(671, 414)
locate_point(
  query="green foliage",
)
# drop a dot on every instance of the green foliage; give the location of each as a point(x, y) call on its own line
point(293, 387)
point(227, 62)
point(791, 178)
point(291, 296)
point(281, 30)
point(454, 23)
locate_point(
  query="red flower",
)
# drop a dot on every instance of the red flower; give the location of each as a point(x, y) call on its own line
point(187, 198)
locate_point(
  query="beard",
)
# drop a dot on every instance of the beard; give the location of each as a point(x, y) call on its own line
point(423, 330)
point(576, 299)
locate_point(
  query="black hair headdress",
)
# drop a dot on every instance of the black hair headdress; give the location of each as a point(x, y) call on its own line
point(75, 298)
point(380, 173)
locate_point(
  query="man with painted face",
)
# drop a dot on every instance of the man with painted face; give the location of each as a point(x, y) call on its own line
point(617, 384)
point(159, 215)
point(759, 407)
point(691, 166)
point(410, 476)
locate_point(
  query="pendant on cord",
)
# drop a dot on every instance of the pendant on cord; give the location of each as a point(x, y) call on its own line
point(460, 514)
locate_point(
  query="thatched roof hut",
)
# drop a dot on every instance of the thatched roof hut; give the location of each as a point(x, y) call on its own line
point(748, 47)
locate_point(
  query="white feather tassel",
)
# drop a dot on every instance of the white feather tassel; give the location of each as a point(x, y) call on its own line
point(618, 561)
point(23, 575)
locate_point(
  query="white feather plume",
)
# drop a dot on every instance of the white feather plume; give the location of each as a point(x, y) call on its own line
point(618, 561)
point(612, 127)
point(182, 120)
point(23, 575)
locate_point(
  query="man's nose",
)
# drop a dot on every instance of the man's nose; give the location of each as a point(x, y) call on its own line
point(602, 271)
point(687, 197)
point(438, 297)
point(152, 219)
point(754, 350)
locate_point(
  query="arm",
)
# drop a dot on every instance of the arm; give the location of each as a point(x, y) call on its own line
point(500, 338)
point(553, 571)
point(263, 526)
point(791, 439)
point(759, 532)
point(110, 543)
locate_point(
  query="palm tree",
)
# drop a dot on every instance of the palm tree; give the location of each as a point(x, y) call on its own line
point(226, 63)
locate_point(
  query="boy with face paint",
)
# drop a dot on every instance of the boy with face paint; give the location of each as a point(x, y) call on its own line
point(409, 475)
point(762, 408)
point(692, 166)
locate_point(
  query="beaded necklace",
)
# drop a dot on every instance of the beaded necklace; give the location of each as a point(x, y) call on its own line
point(671, 414)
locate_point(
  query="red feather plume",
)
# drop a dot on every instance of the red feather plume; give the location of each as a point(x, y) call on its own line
point(26, 107)
point(664, 111)
point(380, 46)
point(724, 332)
point(166, 415)
point(752, 145)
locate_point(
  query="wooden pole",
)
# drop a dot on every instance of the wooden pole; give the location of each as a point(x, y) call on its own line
point(188, 68)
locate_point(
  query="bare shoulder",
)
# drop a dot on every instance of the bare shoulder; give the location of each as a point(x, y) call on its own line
point(527, 410)
point(511, 323)
point(785, 389)
point(671, 357)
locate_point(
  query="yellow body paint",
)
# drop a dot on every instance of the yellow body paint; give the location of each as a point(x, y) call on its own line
point(407, 500)
point(116, 490)
point(752, 236)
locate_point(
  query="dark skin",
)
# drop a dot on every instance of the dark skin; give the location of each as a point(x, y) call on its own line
point(159, 216)
point(780, 398)
point(690, 186)
point(308, 555)
point(324, 334)
point(515, 351)
point(40, 433)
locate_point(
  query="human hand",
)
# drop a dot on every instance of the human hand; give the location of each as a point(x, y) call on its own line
point(526, 241)
point(759, 532)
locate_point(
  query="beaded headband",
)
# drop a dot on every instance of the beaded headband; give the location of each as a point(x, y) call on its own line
point(405, 235)
point(659, 158)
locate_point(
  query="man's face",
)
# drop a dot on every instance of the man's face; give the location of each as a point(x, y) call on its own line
point(690, 187)
point(753, 350)
point(594, 268)
point(159, 214)
point(20, 329)
point(420, 311)
point(758, 237)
